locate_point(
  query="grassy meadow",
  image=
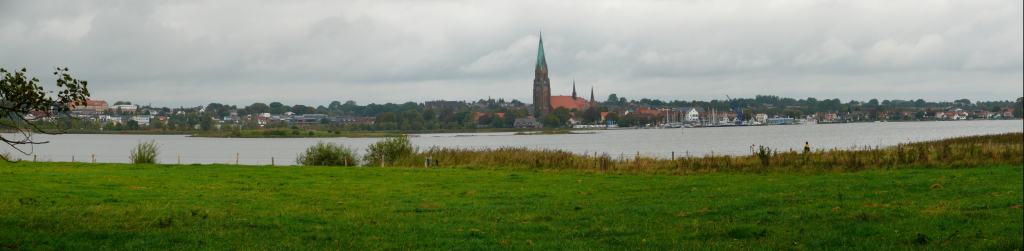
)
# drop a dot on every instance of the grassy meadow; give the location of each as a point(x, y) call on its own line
point(76, 206)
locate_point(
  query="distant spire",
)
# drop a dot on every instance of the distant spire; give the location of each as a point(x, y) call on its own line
point(574, 88)
point(591, 94)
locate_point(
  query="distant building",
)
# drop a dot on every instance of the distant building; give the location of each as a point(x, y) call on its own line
point(826, 117)
point(353, 120)
point(1008, 113)
point(690, 114)
point(761, 118)
point(645, 111)
point(527, 122)
point(38, 115)
point(573, 102)
point(781, 121)
point(90, 107)
point(952, 115)
point(569, 102)
point(124, 108)
point(263, 119)
point(307, 119)
point(143, 120)
point(115, 119)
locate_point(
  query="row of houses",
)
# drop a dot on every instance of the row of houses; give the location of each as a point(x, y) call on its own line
point(101, 112)
point(948, 114)
point(698, 116)
point(264, 119)
point(98, 107)
point(141, 120)
point(686, 115)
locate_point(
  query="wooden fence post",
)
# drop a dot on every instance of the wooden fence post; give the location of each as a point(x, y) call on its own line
point(236, 158)
point(271, 160)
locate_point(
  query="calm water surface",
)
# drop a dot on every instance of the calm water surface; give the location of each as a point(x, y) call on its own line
point(622, 142)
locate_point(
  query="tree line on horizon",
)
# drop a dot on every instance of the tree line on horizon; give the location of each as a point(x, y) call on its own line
point(500, 113)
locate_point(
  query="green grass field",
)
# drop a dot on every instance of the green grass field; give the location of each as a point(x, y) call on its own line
point(120, 206)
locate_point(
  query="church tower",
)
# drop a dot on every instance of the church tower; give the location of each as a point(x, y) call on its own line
point(541, 84)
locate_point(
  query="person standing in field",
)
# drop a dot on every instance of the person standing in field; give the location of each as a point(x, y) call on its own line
point(807, 147)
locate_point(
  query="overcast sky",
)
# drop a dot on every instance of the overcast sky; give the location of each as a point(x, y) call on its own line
point(173, 53)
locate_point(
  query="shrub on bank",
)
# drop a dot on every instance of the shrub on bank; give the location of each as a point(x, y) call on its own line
point(389, 150)
point(327, 154)
point(144, 153)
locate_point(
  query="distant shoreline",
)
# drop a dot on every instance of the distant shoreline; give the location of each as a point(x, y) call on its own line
point(315, 133)
point(319, 133)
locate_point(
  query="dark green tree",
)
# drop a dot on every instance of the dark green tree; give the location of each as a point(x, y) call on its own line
point(132, 125)
point(612, 98)
point(257, 108)
point(591, 115)
point(551, 120)
point(497, 122)
point(278, 108)
point(1020, 106)
point(206, 123)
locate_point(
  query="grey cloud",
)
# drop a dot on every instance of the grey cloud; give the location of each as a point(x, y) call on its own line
point(194, 52)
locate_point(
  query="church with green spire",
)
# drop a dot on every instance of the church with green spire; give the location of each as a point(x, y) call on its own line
point(543, 102)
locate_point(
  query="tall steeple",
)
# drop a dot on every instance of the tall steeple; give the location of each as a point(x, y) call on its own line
point(541, 83)
point(574, 88)
point(542, 63)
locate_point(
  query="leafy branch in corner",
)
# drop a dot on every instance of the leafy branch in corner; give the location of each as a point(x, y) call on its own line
point(24, 105)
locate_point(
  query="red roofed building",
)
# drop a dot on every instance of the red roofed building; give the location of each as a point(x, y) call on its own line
point(496, 115)
point(478, 115)
point(649, 112)
point(91, 105)
point(568, 102)
point(572, 102)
